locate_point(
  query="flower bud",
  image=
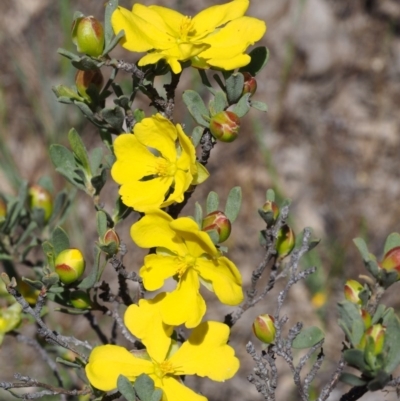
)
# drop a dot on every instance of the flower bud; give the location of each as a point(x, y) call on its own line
point(351, 290)
point(219, 222)
point(366, 317)
point(110, 242)
point(250, 84)
point(269, 212)
point(64, 91)
point(285, 242)
point(80, 300)
point(224, 126)
point(41, 198)
point(3, 210)
point(264, 329)
point(83, 79)
point(88, 36)
point(28, 292)
point(377, 334)
point(70, 265)
point(391, 260)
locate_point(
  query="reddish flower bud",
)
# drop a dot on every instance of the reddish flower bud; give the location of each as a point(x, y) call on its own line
point(3, 210)
point(83, 79)
point(219, 222)
point(269, 212)
point(377, 334)
point(224, 126)
point(110, 242)
point(250, 84)
point(264, 329)
point(351, 290)
point(285, 242)
point(80, 300)
point(88, 36)
point(70, 265)
point(41, 198)
point(391, 260)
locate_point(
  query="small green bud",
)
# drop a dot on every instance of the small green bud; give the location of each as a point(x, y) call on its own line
point(219, 222)
point(65, 91)
point(70, 265)
point(40, 198)
point(83, 79)
point(224, 126)
point(264, 329)
point(391, 260)
point(3, 210)
point(80, 300)
point(366, 317)
point(377, 334)
point(250, 84)
point(285, 242)
point(110, 242)
point(88, 36)
point(351, 290)
point(269, 212)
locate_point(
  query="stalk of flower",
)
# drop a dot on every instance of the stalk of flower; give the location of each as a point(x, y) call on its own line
point(205, 353)
point(186, 253)
point(151, 168)
point(216, 37)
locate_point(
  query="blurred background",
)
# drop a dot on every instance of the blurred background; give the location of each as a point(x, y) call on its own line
point(330, 142)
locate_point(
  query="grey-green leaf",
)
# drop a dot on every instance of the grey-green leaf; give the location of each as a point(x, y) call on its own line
point(243, 106)
point(101, 222)
point(198, 214)
point(60, 240)
point(234, 87)
point(308, 337)
point(212, 202)
point(392, 241)
point(233, 203)
point(261, 106)
point(125, 388)
point(259, 58)
point(144, 387)
point(79, 149)
point(196, 107)
point(108, 30)
point(351, 379)
point(197, 133)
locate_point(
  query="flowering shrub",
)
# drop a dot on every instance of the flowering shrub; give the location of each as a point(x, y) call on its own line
point(158, 165)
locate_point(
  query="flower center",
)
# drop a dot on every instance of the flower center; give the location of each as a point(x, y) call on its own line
point(164, 168)
point(164, 368)
point(184, 263)
point(185, 29)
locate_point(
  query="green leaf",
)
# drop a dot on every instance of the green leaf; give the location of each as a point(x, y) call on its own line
point(233, 203)
point(392, 241)
point(234, 87)
point(125, 388)
point(139, 115)
point(218, 104)
point(85, 63)
point(157, 394)
point(48, 250)
point(47, 183)
point(114, 117)
point(95, 273)
point(62, 157)
point(212, 202)
point(85, 109)
point(261, 106)
point(392, 342)
point(350, 321)
point(362, 248)
point(214, 236)
point(352, 380)
point(60, 240)
point(79, 150)
point(378, 315)
point(198, 214)
point(379, 381)
point(197, 134)
point(108, 47)
point(243, 106)
point(355, 358)
point(308, 337)
point(68, 54)
point(68, 363)
point(144, 387)
point(99, 181)
point(259, 58)
point(15, 208)
point(196, 107)
point(101, 223)
point(108, 30)
point(96, 158)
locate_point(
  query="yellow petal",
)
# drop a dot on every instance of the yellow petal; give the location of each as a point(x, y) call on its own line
point(206, 353)
point(134, 161)
point(154, 230)
point(144, 29)
point(230, 63)
point(182, 181)
point(144, 321)
point(232, 40)
point(107, 362)
point(171, 18)
point(175, 390)
point(213, 17)
point(156, 269)
point(188, 154)
point(150, 58)
point(185, 304)
point(225, 279)
point(198, 242)
point(159, 133)
point(144, 195)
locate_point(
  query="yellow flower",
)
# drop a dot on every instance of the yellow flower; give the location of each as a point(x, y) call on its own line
point(187, 254)
point(152, 171)
point(217, 36)
point(205, 353)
